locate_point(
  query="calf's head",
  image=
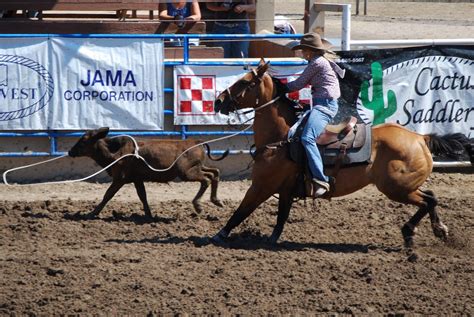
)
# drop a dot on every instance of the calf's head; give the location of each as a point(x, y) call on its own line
point(86, 144)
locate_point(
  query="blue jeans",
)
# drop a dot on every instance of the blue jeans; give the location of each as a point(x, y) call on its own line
point(317, 121)
point(233, 49)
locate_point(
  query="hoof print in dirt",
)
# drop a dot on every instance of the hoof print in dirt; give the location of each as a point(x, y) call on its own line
point(54, 271)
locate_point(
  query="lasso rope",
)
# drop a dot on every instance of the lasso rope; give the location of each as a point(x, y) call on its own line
point(135, 154)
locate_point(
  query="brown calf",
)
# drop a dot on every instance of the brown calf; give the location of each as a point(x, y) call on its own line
point(159, 154)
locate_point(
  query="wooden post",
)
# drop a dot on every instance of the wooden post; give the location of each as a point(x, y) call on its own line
point(307, 8)
point(264, 15)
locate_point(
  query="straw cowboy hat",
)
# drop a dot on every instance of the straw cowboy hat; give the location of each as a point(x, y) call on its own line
point(313, 42)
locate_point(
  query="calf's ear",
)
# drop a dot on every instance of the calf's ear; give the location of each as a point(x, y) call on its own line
point(101, 133)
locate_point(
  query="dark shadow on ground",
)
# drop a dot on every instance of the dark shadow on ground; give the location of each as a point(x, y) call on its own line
point(257, 242)
point(135, 218)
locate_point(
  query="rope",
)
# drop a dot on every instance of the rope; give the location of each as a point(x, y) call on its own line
point(135, 154)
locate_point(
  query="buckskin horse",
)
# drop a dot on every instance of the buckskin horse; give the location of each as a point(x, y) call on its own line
point(400, 160)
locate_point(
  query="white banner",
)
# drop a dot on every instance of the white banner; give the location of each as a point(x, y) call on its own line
point(430, 94)
point(196, 88)
point(65, 83)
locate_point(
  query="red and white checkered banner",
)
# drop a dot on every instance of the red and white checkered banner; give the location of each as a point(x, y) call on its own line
point(196, 87)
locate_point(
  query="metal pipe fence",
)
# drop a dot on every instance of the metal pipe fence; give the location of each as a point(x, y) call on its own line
point(184, 130)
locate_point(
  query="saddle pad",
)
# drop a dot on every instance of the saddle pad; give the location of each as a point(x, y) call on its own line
point(353, 155)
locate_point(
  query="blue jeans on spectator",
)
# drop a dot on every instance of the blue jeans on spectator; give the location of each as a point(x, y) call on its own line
point(317, 121)
point(233, 49)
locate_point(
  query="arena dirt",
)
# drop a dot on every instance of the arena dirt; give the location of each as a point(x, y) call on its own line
point(340, 257)
point(343, 256)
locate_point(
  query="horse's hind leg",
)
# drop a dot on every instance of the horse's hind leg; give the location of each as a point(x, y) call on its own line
point(440, 230)
point(427, 203)
point(214, 183)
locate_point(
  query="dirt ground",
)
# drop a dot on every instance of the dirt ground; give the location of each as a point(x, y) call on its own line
point(343, 256)
point(390, 20)
point(340, 257)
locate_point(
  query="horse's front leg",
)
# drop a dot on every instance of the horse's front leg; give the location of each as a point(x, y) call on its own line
point(253, 198)
point(284, 206)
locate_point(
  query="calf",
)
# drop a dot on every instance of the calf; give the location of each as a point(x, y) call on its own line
point(159, 154)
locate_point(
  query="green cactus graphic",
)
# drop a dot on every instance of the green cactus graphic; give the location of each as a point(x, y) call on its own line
point(377, 103)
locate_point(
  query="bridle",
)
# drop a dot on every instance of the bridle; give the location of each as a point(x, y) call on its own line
point(250, 85)
point(234, 102)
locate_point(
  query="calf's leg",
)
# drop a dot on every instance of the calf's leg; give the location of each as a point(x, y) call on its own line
point(140, 187)
point(111, 191)
point(214, 183)
point(196, 174)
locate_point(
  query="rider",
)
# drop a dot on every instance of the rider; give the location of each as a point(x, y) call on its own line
point(321, 73)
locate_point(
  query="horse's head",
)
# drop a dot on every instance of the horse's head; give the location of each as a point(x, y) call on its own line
point(244, 93)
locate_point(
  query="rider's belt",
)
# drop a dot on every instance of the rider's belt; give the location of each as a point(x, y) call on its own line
point(228, 25)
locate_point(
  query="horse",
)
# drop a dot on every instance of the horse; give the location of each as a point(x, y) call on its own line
point(400, 159)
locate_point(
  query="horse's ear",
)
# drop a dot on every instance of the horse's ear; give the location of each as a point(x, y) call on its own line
point(262, 62)
point(262, 69)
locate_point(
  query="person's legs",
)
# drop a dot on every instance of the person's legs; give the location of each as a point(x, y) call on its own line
point(226, 45)
point(317, 121)
point(240, 48)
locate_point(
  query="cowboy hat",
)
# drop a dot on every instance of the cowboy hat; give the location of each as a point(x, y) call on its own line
point(313, 42)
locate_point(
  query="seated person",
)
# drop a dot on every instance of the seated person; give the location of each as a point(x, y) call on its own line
point(181, 12)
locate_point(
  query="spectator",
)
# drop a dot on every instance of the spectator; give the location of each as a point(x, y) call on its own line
point(232, 18)
point(180, 12)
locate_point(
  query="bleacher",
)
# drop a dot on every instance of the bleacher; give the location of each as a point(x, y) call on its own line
point(99, 17)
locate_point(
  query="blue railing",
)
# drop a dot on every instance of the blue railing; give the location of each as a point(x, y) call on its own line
point(184, 131)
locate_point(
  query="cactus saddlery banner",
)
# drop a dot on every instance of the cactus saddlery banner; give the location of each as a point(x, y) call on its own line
point(427, 89)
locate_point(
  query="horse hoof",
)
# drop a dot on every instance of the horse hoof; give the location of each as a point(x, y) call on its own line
point(440, 231)
point(409, 242)
point(408, 232)
point(273, 240)
point(219, 238)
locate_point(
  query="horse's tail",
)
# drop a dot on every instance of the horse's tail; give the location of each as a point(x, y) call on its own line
point(455, 145)
point(223, 156)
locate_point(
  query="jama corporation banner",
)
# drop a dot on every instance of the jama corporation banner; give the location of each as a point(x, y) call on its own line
point(68, 83)
point(426, 89)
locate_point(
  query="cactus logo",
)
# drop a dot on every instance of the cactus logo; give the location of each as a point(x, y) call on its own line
point(380, 108)
point(420, 93)
point(25, 87)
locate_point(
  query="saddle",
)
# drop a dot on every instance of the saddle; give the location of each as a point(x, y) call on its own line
point(344, 144)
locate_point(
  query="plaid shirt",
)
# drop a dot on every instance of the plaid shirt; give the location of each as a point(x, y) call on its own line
point(321, 75)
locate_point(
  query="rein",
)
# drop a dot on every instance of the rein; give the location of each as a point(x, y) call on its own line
point(261, 107)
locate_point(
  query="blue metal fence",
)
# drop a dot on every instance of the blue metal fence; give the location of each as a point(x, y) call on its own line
point(184, 133)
